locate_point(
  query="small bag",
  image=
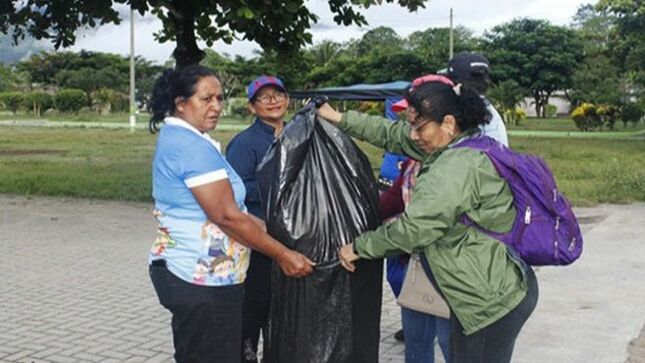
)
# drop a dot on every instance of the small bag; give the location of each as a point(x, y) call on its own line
point(419, 294)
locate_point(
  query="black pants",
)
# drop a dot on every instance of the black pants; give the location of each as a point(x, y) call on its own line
point(206, 320)
point(494, 343)
point(257, 299)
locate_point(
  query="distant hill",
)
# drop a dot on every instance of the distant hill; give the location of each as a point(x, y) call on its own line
point(10, 53)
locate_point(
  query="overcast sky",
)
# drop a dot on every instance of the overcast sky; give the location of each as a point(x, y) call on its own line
point(475, 15)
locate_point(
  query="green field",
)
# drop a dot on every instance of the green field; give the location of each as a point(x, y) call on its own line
point(115, 163)
point(565, 128)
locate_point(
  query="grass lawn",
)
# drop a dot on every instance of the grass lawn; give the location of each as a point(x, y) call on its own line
point(566, 124)
point(115, 163)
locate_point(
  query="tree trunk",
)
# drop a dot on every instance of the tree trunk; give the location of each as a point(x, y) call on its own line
point(536, 97)
point(545, 103)
point(187, 52)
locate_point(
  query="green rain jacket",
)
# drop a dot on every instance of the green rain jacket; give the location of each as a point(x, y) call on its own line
point(481, 280)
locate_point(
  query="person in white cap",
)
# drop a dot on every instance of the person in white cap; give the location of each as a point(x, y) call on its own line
point(473, 71)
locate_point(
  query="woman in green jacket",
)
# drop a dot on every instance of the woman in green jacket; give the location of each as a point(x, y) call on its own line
point(490, 291)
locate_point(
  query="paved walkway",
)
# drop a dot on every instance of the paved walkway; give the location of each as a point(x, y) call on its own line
point(74, 288)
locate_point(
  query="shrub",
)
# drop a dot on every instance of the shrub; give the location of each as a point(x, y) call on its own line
point(372, 108)
point(513, 117)
point(550, 110)
point(586, 117)
point(11, 101)
point(39, 102)
point(631, 112)
point(236, 107)
point(608, 114)
point(506, 96)
point(70, 100)
point(122, 103)
point(104, 99)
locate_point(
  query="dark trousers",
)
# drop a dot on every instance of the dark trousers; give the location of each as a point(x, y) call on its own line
point(494, 343)
point(257, 299)
point(206, 320)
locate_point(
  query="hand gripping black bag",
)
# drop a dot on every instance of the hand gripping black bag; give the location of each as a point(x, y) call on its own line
point(319, 194)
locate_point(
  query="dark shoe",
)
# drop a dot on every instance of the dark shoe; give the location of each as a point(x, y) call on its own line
point(398, 336)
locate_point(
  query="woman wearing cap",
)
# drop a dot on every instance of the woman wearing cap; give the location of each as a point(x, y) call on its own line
point(268, 101)
point(198, 261)
point(490, 291)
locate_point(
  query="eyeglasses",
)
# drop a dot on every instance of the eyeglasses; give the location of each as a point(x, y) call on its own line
point(268, 98)
point(418, 123)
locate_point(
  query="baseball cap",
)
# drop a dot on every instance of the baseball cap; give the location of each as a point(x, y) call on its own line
point(262, 81)
point(463, 65)
point(403, 104)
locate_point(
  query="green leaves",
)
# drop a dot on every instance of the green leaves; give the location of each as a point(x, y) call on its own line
point(540, 56)
point(245, 12)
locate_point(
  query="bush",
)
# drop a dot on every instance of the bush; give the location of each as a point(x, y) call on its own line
point(122, 103)
point(70, 100)
point(372, 108)
point(631, 112)
point(11, 101)
point(550, 110)
point(586, 117)
point(39, 102)
point(608, 114)
point(104, 100)
point(236, 107)
point(513, 117)
point(506, 96)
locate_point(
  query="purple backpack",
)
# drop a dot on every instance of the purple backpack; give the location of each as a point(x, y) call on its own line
point(545, 231)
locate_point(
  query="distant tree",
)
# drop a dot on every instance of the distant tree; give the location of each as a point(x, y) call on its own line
point(6, 78)
point(381, 39)
point(433, 45)
point(281, 28)
point(291, 68)
point(43, 67)
point(597, 79)
point(39, 102)
point(11, 101)
point(90, 80)
point(540, 56)
point(627, 43)
point(227, 71)
point(324, 52)
point(89, 71)
point(385, 67)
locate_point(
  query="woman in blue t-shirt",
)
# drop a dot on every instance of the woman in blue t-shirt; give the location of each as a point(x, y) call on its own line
point(199, 259)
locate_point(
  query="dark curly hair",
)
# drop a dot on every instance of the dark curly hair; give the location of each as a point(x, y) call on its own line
point(434, 100)
point(170, 85)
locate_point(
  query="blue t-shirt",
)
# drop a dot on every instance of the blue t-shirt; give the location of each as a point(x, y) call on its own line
point(245, 152)
point(195, 249)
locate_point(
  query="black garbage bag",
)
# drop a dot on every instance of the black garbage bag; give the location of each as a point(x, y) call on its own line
point(319, 194)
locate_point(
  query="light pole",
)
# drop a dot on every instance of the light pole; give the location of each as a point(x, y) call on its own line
point(133, 119)
point(451, 51)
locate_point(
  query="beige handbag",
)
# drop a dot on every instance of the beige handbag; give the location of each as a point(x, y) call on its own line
point(419, 294)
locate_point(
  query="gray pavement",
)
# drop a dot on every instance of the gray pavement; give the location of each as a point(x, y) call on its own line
point(74, 288)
